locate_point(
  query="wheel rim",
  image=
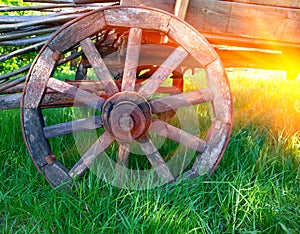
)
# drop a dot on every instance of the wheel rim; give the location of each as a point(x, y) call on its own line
point(127, 112)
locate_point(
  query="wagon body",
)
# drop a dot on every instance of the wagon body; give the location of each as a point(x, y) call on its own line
point(133, 50)
point(266, 34)
point(251, 34)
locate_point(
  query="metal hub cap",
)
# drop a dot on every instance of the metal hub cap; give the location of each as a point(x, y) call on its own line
point(126, 116)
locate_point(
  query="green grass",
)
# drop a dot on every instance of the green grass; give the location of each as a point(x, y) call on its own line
point(255, 189)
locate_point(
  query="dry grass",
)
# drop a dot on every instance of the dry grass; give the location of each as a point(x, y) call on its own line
point(266, 98)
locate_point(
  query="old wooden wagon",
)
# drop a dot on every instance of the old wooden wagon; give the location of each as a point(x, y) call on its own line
point(147, 88)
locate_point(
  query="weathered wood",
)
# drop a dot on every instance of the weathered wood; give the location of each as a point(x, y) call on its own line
point(253, 59)
point(132, 59)
point(122, 163)
point(14, 89)
point(39, 76)
point(255, 22)
point(32, 122)
point(162, 73)
point(14, 73)
point(11, 19)
point(72, 127)
point(25, 68)
point(193, 42)
point(281, 3)
point(230, 56)
point(240, 41)
point(217, 138)
point(135, 18)
point(23, 34)
point(218, 84)
point(92, 86)
point(181, 7)
point(12, 83)
point(60, 100)
point(25, 50)
point(10, 101)
point(173, 102)
point(245, 20)
point(25, 41)
point(85, 162)
point(126, 112)
point(87, 26)
point(57, 175)
point(79, 95)
point(99, 66)
point(50, 100)
point(178, 135)
point(34, 8)
point(33, 21)
point(156, 160)
point(123, 155)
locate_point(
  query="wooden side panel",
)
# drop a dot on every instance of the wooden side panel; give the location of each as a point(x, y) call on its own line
point(281, 3)
point(238, 19)
point(250, 21)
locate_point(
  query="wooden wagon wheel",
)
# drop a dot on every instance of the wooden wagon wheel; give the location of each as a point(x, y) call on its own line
point(126, 114)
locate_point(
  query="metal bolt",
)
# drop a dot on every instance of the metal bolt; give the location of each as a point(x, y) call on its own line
point(126, 122)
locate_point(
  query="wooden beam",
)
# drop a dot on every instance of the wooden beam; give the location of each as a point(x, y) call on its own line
point(51, 100)
point(10, 101)
point(34, 8)
point(22, 34)
point(251, 59)
point(181, 7)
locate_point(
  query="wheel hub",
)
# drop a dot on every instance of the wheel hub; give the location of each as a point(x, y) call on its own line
point(126, 116)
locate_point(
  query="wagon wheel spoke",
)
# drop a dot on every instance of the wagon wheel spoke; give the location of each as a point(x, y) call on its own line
point(122, 162)
point(123, 154)
point(162, 73)
point(154, 157)
point(175, 134)
point(81, 96)
point(72, 127)
point(132, 59)
point(99, 66)
point(104, 141)
point(173, 102)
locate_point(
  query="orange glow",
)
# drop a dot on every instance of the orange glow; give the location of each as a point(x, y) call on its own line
point(267, 99)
